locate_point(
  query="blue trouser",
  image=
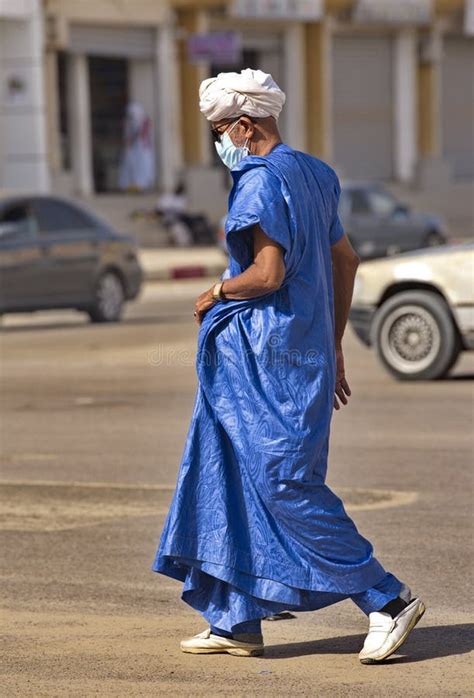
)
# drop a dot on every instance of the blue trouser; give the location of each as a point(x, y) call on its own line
point(373, 599)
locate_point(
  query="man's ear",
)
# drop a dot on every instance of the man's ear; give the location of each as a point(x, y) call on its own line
point(249, 127)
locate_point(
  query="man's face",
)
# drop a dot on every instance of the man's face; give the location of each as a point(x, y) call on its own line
point(239, 129)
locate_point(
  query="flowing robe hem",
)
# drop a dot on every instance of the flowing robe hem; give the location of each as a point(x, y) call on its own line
point(226, 591)
point(344, 578)
point(226, 596)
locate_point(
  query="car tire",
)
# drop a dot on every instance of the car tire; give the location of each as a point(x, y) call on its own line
point(434, 239)
point(109, 299)
point(415, 337)
point(456, 353)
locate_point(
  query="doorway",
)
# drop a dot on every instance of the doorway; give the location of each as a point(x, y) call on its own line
point(108, 80)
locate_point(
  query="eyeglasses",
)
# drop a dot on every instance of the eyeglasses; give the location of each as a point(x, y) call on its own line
point(217, 135)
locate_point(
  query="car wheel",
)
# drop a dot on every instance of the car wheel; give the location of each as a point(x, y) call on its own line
point(415, 337)
point(109, 299)
point(456, 353)
point(434, 239)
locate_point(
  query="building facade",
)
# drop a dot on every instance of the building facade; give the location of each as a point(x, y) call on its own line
point(23, 147)
point(90, 59)
point(381, 89)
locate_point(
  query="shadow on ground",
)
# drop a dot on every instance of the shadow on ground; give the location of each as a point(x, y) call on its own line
point(423, 643)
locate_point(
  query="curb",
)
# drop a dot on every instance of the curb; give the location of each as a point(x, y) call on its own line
point(162, 264)
point(186, 271)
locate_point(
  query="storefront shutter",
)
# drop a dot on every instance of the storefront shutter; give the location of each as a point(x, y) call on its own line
point(362, 107)
point(458, 105)
point(126, 42)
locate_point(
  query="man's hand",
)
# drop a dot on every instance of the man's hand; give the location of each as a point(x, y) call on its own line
point(203, 303)
point(342, 386)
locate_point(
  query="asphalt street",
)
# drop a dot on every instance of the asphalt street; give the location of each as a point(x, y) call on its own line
point(94, 420)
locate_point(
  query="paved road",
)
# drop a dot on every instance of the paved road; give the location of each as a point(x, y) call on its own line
point(93, 425)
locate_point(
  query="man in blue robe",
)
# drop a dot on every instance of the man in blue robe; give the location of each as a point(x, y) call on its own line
point(253, 529)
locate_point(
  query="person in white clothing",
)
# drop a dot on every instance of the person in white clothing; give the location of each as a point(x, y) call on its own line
point(137, 163)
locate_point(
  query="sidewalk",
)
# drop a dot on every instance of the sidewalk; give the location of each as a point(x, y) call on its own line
point(192, 262)
point(454, 203)
point(181, 262)
point(161, 261)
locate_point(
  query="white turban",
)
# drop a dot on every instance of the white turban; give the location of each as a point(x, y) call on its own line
point(251, 92)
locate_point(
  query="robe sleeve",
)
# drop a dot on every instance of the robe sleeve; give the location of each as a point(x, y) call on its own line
point(258, 199)
point(336, 231)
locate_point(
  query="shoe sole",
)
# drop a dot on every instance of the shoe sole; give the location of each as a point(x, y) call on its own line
point(413, 622)
point(236, 651)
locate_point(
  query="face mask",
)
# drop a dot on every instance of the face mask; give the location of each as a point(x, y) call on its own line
point(229, 153)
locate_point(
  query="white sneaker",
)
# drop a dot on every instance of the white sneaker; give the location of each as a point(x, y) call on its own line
point(386, 634)
point(249, 645)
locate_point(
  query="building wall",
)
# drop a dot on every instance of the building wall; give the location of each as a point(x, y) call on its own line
point(457, 98)
point(363, 105)
point(338, 93)
point(141, 34)
point(23, 159)
point(424, 114)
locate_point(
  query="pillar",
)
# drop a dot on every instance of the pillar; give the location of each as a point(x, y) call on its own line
point(318, 37)
point(52, 115)
point(80, 123)
point(429, 97)
point(405, 104)
point(195, 130)
point(168, 128)
point(432, 170)
point(295, 86)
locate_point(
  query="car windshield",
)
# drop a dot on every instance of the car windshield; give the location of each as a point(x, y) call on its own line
point(381, 203)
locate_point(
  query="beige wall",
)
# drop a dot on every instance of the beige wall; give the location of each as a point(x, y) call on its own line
point(140, 12)
point(314, 57)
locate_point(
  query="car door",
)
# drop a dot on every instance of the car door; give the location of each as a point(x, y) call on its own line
point(70, 245)
point(360, 226)
point(20, 259)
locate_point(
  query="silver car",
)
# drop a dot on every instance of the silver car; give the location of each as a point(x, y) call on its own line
point(56, 253)
point(417, 309)
point(378, 225)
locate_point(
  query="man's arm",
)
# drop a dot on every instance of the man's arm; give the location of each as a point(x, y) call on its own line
point(344, 266)
point(265, 274)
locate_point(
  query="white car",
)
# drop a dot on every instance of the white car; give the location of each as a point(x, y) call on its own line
point(417, 309)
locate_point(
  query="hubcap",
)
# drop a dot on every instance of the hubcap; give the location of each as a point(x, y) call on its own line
point(110, 295)
point(410, 338)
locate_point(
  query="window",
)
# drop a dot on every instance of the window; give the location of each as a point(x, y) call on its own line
point(381, 204)
point(17, 220)
point(360, 203)
point(58, 217)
